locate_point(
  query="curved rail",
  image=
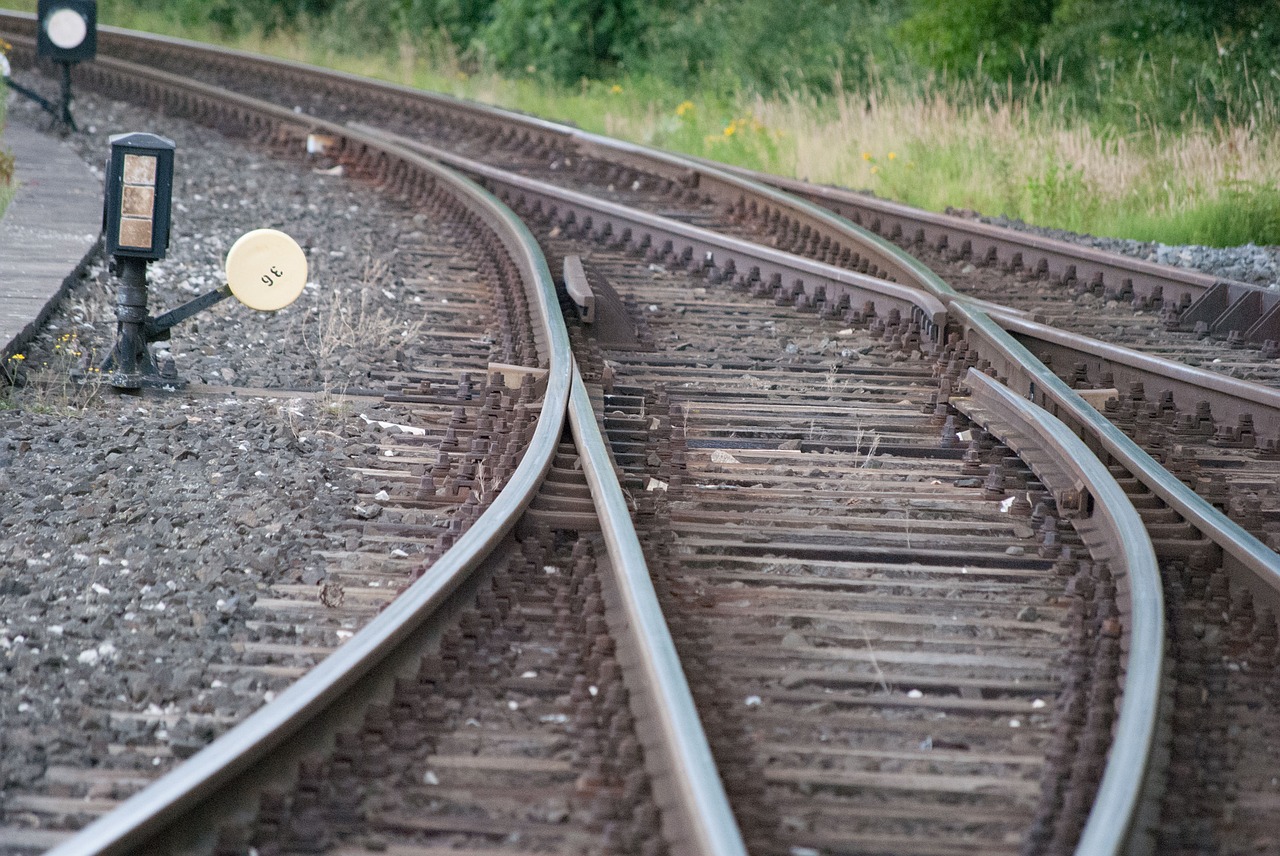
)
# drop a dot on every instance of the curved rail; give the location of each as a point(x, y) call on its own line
point(164, 801)
point(702, 246)
point(1025, 374)
point(1229, 398)
point(677, 753)
point(1033, 380)
point(697, 818)
point(1052, 257)
point(1118, 807)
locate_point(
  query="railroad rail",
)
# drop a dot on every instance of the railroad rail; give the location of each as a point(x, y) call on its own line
point(558, 153)
point(1220, 307)
point(693, 820)
point(917, 314)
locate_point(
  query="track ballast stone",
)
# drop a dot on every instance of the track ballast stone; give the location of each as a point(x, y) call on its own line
point(138, 532)
point(1251, 263)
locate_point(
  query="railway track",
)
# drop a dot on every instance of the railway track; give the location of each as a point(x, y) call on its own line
point(473, 462)
point(849, 566)
point(1181, 308)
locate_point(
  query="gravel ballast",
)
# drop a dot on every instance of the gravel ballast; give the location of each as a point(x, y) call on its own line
point(1256, 265)
point(138, 532)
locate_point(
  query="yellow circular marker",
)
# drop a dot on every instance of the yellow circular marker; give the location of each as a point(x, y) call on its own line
point(266, 269)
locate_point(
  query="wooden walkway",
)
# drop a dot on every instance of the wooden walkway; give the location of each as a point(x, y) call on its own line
point(46, 233)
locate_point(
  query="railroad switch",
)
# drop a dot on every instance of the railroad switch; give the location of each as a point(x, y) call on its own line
point(266, 269)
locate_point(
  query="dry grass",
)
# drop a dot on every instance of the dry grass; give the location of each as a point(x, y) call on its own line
point(1016, 157)
point(352, 320)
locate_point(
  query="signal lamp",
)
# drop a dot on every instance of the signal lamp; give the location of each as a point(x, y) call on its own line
point(68, 30)
point(139, 196)
point(266, 269)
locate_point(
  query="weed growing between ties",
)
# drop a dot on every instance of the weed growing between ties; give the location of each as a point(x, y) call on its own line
point(351, 322)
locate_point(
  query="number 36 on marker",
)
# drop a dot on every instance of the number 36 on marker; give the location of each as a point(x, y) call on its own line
point(266, 269)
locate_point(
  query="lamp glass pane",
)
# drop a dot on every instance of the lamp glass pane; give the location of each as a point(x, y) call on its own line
point(138, 201)
point(66, 28)
point(135, 232)
point(140, 169)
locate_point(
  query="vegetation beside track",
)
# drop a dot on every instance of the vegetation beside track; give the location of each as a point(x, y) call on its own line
point(6, 158)
point(1154, 120)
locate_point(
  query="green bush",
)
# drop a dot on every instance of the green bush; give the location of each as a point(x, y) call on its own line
point(759, 45)
point(991, 37)
point(1119, 62)
point(562, 39)
point(1164, 62)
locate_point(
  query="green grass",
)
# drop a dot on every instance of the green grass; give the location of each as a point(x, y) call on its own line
point(934, 144)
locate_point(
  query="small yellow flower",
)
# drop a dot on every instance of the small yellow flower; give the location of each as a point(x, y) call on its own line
point(892, 155)
point(730, 129)
point(18, 357)
point(866, 156)
point(874, 170)
point(684, 108)
point(616, 89)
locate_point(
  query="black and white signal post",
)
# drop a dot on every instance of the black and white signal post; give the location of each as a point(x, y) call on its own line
point(136, 232)
point(266, 269)
point(68, 35)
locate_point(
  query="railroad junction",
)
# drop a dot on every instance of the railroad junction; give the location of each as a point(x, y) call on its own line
point(783, 558)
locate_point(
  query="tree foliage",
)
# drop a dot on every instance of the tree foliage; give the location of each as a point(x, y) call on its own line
point(983, 36)
point(1170, 60)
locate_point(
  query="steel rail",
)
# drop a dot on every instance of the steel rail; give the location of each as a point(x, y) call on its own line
point(1138, 730)
point(1060, 257)
point(705, 247)
point(1228, 397)
point(1248, 557)
point(148, 812)
point(1003, 349)
point(696, 815)
point(697, 818)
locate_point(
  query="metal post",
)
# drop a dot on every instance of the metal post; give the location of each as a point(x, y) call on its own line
point(66, 97)
point(130, 358)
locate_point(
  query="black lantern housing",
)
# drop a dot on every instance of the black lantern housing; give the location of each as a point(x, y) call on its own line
point(68, 30)
point(139, 196)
